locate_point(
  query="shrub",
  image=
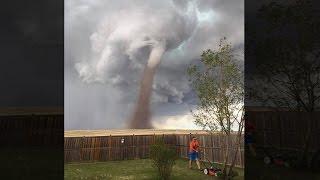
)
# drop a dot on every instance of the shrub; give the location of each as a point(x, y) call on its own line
point(163, 158)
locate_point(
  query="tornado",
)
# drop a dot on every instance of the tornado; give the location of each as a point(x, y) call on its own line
point(141, 115)
point(130, 42)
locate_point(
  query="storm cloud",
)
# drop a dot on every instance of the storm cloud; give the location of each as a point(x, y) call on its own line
point(107, 48)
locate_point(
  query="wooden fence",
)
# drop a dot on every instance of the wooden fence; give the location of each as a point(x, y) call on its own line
point(106, 148)
point(285, 130)
point(31, 130)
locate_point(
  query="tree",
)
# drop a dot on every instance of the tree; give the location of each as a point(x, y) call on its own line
point(163, 158)
point(288, 75)
point(218, 83)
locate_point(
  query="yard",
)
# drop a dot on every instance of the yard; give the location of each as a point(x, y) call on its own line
point(133, 169)
point(255, 169)
point(31, 163)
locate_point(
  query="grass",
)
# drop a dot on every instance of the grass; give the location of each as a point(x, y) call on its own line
point(141, 169)
point(31, 163)
point(255, 169)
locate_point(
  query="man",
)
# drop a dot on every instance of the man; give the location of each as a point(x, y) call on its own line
point(193, 152)
point(250, 128)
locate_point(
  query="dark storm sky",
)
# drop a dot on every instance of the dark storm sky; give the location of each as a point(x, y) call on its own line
point(31, 48)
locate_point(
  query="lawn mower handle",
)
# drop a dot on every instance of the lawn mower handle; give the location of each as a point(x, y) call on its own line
point(204, 158)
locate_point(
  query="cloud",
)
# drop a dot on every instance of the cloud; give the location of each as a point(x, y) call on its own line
point(175, 122)
point(106, 49)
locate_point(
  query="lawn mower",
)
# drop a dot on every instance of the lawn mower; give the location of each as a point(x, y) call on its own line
point(212, 170)
point(277, 158)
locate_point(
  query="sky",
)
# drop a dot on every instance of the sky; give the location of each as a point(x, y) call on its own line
point(32, 54)
point(106, 49)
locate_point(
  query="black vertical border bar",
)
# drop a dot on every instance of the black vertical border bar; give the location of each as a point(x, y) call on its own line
point(32, 88)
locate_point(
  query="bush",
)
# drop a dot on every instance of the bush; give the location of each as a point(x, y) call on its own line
point(163, 158)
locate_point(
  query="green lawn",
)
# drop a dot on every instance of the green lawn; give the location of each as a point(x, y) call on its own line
point(255, 169)
point(31, 163)
point(133, 169)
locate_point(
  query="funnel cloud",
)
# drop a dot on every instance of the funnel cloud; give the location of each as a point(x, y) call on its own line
point(141, 115)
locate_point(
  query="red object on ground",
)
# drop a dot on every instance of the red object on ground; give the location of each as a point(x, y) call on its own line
point(212, 173)
point(278, 162)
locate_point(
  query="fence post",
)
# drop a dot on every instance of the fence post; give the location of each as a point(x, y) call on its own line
point(264, 133)
point(109, 158)
point(81, 147)
point(280, 131)
point(132, 141)
point(121, 149)
point(240, 158)
point(175, 143)
point(135, 146)
point(212, 151)
point(203, 146)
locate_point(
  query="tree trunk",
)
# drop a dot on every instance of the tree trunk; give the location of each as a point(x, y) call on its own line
point(235, 154)
point(226, 158)
point(305, 150)
point(237, 145)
